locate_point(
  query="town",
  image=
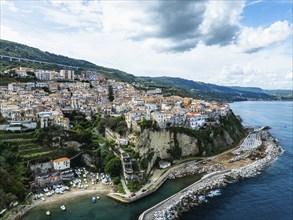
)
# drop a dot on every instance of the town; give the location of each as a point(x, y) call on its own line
point(51, 96)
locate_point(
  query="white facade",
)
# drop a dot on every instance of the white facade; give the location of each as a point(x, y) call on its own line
point(61, 163)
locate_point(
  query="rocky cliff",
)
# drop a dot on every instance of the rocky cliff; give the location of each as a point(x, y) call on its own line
point(178, 142)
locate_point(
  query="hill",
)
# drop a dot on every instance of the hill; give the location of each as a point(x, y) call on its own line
point(202, 90)
point(179, 86)
point(13, 49)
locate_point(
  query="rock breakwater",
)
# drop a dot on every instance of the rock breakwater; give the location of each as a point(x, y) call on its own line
point(218, 176)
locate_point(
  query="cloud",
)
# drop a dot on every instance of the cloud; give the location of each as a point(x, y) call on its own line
point(86, 15)
point(254, 39)
point(10, 5)
point(200, 40)
point(221, 22)
point(181, 24)
point(248, 75)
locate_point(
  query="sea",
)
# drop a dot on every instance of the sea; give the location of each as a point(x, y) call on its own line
point(267, 196)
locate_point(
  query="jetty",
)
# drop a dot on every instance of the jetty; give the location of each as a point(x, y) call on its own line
point(254, 155)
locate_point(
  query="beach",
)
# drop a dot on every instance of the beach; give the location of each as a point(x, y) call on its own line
point(58, 199)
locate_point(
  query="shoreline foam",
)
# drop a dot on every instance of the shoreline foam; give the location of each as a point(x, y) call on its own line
point(195, 194)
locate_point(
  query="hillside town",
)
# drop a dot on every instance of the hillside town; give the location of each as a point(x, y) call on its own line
point(50, 96)
point(45, 101)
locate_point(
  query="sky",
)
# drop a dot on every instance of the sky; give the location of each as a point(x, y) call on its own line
point(230, 42)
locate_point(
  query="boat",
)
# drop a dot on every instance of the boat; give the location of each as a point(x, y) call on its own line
point(98, 197)
point(63, 207)
point(94, 199)
point(48, 213)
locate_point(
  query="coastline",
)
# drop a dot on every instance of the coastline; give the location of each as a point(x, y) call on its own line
point(62, 198)
point(231, 170)
point(211, 167)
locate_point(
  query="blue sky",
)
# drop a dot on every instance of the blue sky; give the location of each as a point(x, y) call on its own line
point(245, 43)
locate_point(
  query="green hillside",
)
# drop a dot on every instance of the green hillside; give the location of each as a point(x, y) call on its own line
point(170, 85)
point(19, 50)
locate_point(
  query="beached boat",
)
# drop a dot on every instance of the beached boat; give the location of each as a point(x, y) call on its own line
point(94, 199)
point(48, 213)
point(63, 207)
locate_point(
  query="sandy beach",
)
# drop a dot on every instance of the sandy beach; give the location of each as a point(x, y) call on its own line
point(73, 193)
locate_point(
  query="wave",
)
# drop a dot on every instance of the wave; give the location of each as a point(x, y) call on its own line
point(214, 193)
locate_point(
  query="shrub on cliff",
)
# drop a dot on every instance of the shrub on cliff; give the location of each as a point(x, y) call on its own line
point(113, 167)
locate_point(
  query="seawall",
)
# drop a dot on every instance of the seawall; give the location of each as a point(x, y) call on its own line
point(251, 160)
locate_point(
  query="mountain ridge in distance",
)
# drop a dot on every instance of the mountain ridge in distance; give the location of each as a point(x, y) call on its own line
point(180, 86)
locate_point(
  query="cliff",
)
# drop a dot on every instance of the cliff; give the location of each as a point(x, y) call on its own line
point(220, 171)
point(178, 142)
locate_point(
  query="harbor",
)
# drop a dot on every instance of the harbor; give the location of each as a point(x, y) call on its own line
point(228, 169)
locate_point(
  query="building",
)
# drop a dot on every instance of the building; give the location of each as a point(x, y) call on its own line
point(44, 75)
point(67, 74)
point(164, 164)
point(61, 163)
point(90, 75)
point(127, 166)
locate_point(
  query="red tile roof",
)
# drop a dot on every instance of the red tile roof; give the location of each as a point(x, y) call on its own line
point(60, 159)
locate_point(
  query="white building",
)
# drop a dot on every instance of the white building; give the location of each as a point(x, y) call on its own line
point(61, 163)
point(164, 164)
point(44, 75)
point(160, 118)
point(67, 74)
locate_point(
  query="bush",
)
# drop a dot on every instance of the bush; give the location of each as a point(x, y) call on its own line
point(134, 186)
point(113, 167)
point(116, 180)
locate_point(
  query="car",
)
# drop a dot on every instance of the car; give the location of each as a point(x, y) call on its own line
point(143, 190)
point(132, 194)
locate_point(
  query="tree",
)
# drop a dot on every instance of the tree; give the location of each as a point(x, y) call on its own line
point(2, 119)
point(113, 167)
point(110, 93)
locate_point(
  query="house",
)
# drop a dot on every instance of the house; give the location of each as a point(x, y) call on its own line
point(160, 117)
point(122, 142)
point(164, 164)
point(61, 163)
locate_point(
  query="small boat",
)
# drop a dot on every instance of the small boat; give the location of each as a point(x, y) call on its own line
point(98, 197)
point(94, 199)
point(63, 207)
point(48, 213)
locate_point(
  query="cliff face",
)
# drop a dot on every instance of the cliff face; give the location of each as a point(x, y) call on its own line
point(177, 142)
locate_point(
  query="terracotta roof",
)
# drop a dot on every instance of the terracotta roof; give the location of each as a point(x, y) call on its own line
point(61, 159)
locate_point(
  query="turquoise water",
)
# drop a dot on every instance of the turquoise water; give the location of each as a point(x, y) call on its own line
point(107, 208)
point(266, 196)
point(269, 195)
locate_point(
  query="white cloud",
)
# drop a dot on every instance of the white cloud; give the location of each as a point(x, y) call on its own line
point(221, 21)
point(75, 14)
point(9, 5)
point(254, 39)
point(104, 33)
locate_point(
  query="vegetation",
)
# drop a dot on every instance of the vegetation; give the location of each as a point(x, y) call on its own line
point(181, 87)
point(113, 167)
point(119, 188)
point(14, 176)
point(2, 119)
point(134, 186)
point(176, 151)
point(206, 136)
point(110, 94)
point(19, 50)
point(149, 124)
point(116, 124)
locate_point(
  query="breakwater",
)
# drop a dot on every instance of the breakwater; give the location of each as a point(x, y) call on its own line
point(250, 162)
